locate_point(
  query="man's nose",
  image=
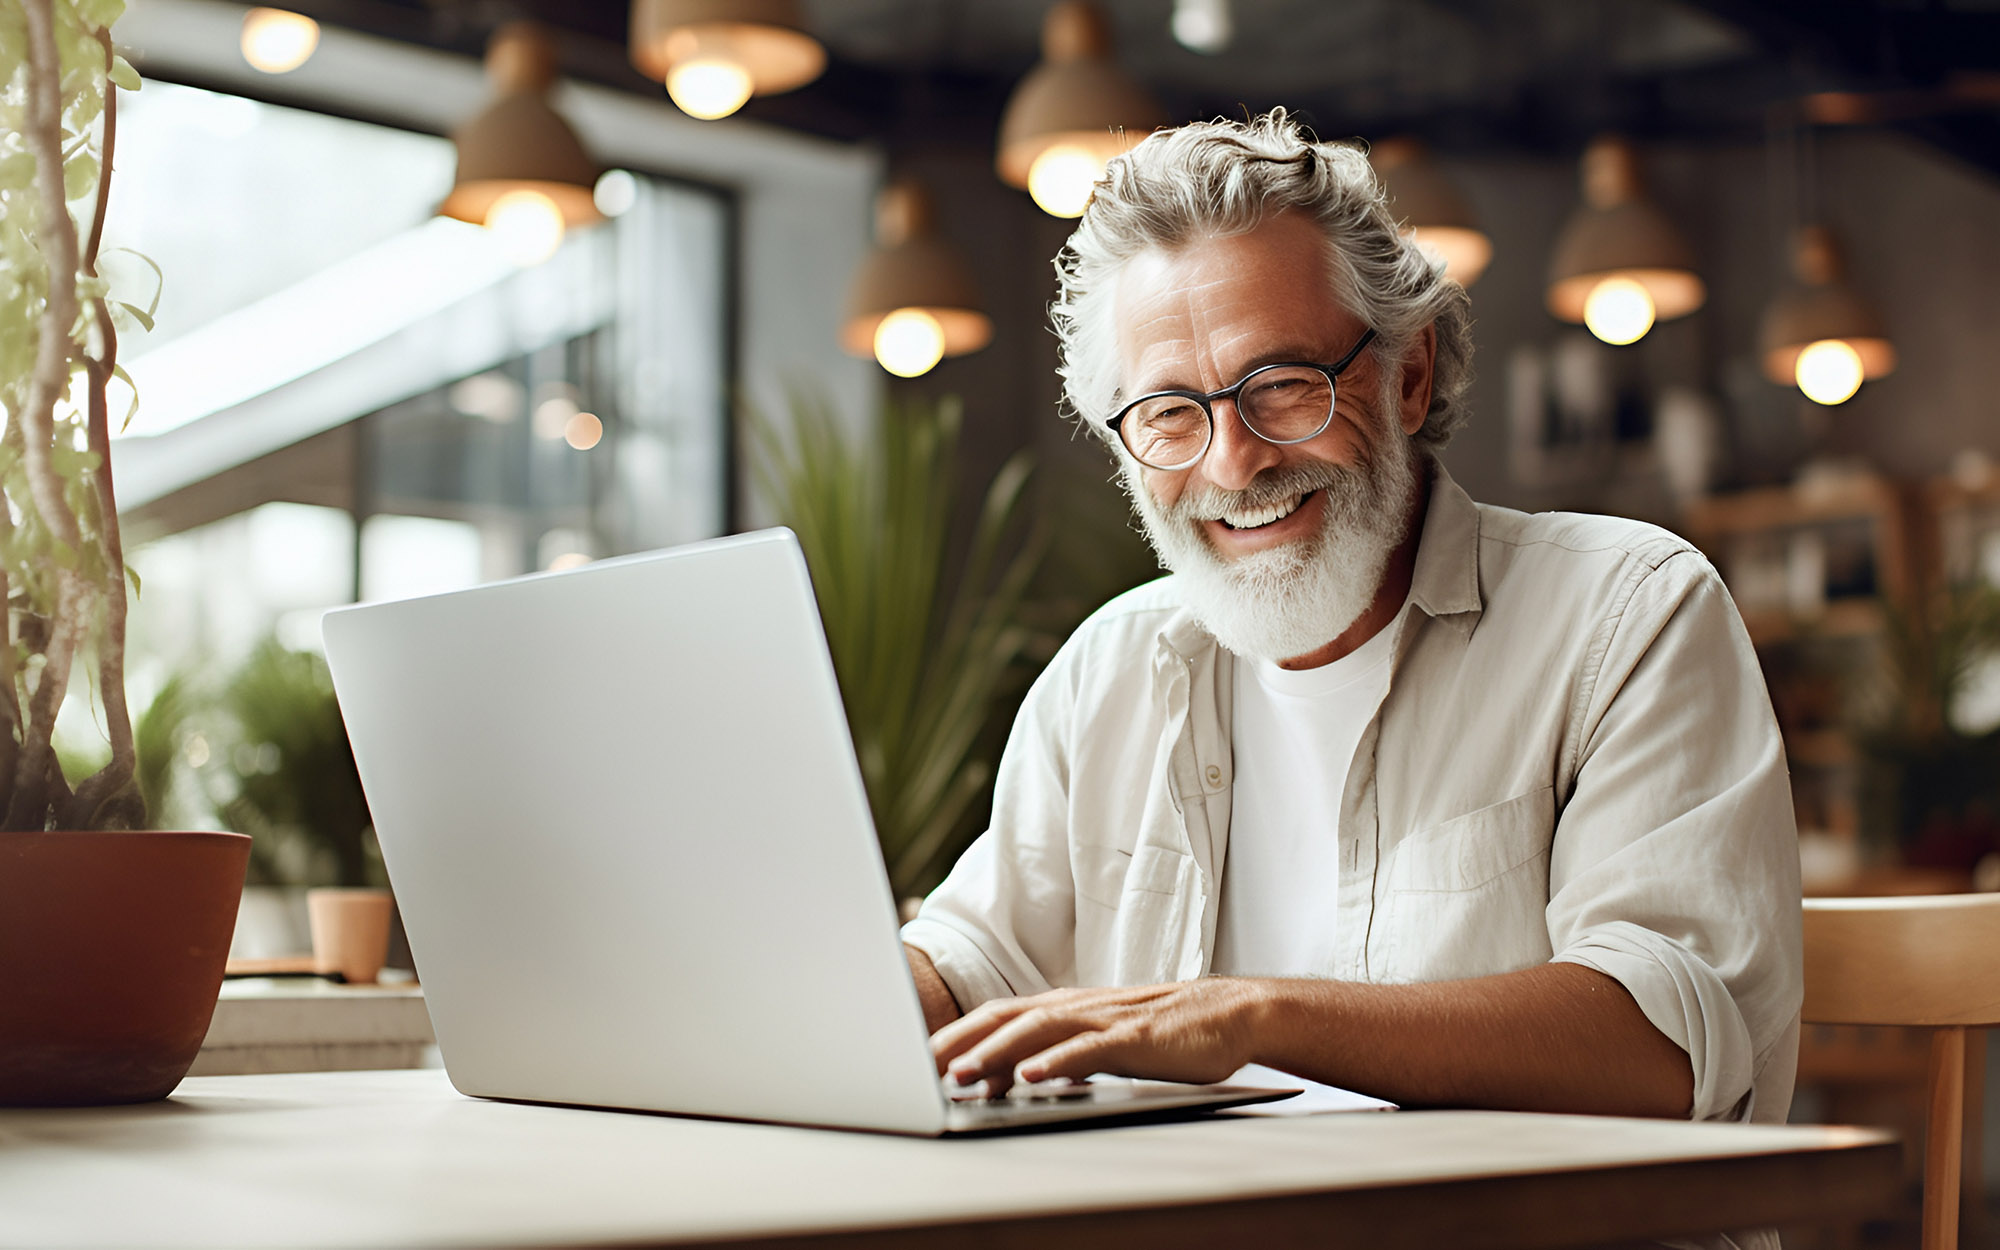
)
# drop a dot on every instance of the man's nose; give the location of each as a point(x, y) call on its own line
point(1235, 453)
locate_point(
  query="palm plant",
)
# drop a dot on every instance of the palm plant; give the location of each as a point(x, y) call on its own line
point(925, 646)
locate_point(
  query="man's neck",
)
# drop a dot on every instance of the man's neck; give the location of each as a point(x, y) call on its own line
point(1389, 598)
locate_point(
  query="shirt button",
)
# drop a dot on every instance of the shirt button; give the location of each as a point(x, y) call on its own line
point(1214, 775)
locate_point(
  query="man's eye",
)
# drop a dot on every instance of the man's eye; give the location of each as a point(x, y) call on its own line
point(1172, 419)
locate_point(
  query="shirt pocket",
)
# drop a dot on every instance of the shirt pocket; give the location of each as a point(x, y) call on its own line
point(1142, 925)
point(1468, 897)
point(1106, 874)
point(1469, 852)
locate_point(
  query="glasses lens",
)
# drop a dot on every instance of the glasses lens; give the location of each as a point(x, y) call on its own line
point(1166, 431)
point(1287, 404)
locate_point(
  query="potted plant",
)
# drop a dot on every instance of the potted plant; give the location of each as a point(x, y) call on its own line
point(1930, 783)
point(112, 936)
point(284, 772)
point(926, 641)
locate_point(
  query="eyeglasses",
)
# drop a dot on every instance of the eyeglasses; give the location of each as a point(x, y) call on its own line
point(1282, 403)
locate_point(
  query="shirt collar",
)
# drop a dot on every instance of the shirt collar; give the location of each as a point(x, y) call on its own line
point(1446, 579)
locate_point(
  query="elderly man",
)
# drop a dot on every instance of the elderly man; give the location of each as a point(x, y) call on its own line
point(1382, 787)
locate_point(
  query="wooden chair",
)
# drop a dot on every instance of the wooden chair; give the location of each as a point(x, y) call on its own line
point(1931, 961)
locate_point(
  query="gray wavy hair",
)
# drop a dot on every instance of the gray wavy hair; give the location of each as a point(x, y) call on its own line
point(1224, 178)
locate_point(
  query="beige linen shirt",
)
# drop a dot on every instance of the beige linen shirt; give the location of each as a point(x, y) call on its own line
point(1576, 760)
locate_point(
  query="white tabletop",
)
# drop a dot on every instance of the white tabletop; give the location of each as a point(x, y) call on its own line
point(400, 1158)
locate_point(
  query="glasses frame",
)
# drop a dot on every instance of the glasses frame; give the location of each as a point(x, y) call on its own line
point(1206, 400)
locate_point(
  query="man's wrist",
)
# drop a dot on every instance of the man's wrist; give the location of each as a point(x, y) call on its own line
point(1263, 1007)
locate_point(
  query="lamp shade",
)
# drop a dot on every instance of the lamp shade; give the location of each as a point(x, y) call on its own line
point(1431, 210)
point(1819, 305)
point(518, 142)
point(1076, 100)
point(1618, 233)
point(765, 38)
point(911, 268)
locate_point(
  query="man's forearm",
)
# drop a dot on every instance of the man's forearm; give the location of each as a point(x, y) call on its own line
point(1558, 1037)
point(940, 1008)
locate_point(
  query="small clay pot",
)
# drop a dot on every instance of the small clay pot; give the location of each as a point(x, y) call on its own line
point(350, 931)
point(111, 955)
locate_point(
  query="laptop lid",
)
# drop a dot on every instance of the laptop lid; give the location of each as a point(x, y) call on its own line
point(621, 812)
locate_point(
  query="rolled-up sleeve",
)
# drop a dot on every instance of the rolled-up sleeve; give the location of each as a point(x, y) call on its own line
point(1001, 924)
point(1675, 863)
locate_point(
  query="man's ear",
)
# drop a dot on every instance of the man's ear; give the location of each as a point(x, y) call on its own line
point(1415, 384)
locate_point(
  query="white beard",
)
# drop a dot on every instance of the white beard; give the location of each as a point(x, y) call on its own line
point(1289, 600)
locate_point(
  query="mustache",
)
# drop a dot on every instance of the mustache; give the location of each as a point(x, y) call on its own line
point(1272, 486)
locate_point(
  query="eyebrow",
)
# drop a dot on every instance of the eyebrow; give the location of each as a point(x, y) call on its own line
point(1292, 354)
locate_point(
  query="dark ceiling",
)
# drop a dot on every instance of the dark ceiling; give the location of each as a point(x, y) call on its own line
point(1470, 75)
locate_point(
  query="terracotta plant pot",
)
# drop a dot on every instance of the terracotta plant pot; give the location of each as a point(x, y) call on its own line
point(111, 954)
point(350, 931)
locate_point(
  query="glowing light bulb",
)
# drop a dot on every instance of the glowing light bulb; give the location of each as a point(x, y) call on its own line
point(909, 342)
point(1619, 311)
point(1202, 25)
point(615, 193)
point(1061, 178)
point(708, 87)
point(1829, 371)
point(528, 225)
point(583, 431)
point(278, 42)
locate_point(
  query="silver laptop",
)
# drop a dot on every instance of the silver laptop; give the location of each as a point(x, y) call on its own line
point(625, 826)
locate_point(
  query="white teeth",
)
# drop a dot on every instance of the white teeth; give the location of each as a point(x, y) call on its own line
point(1247, 520)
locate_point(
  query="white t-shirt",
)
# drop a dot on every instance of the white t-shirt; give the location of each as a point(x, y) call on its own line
point(1293, 740)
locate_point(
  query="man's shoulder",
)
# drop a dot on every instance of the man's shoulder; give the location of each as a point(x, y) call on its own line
point(1108, 659)
point(1579, 541)
point(1129, 623)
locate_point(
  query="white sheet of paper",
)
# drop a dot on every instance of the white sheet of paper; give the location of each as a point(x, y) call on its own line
point(1316, 1099)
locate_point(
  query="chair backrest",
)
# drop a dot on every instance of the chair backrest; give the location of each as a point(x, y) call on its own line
point(1930, 959)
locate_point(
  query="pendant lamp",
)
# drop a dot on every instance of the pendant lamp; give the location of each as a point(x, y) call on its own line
point(1619, 263)
point(1431, 210)
point(1072, 113)
point(521, 169)
point(1819, 333)
point(715, 54)
point(912, 301)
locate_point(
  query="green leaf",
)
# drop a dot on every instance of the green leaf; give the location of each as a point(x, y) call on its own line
point(140, 315)
point(123, 75)
point(99, 14)
point(159, 281)
point(132, 575)
point(80, 176)
point(118, 371)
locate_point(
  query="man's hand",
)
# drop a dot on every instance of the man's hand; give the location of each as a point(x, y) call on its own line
point(1556, 1037)
point(1195, 1031)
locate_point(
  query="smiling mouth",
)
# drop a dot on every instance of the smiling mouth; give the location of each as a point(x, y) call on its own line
point(1270, 514)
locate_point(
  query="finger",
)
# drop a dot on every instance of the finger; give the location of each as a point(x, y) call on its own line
point(960, 1035)
point(994, 1058)
point(1077, 1058)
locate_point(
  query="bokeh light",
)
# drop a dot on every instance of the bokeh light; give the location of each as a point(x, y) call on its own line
point(708, 87)
point(1061, 178)
point(1829, 371)
point(276, 41)
point(909, 342)
point(528, 225)
point(1619, 311)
